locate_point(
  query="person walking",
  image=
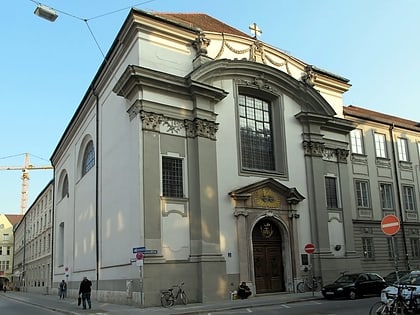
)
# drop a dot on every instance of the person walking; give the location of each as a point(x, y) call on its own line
point(63, 289)
point(84, 291)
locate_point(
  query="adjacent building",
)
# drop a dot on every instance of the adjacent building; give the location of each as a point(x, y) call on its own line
point(7, 224)
point(385, 170)
point(32, 266)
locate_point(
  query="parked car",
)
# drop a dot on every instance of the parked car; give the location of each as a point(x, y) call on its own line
point(411, 279)
point(354, 285)
point(391, 278)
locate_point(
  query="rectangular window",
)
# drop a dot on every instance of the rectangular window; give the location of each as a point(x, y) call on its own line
point(8, 251)
point(362, 194)
point(408, 198)
point(1, 250)
point(331, 192)
point(356, 141)
point(5, 237)
point(367, 243)
point(172, 177)
point(380, 145)
point(402, 146)
point(60, 243)
point(415, 247)
point(256, 134)
point(387, 199)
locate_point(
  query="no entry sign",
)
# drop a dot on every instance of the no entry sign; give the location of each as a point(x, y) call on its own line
point(309, 248)
point(390, 224)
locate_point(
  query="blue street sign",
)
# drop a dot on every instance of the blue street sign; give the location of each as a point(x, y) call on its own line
point(138, 249)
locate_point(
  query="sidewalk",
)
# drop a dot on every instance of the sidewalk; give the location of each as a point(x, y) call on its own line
point(69, 305)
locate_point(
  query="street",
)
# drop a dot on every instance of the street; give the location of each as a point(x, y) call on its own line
point(13, 307)
point(317, 307)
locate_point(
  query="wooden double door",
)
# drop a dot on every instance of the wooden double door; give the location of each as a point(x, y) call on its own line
point(268, 262)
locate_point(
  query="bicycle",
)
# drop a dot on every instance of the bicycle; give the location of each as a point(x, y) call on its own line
point(309, 285)
point(168, 298)
point(399, 304)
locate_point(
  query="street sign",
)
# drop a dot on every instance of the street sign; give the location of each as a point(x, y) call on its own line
point(309, 248)
point(139, 255)
point(150, 251)
point(138, 249)
point(390, 224)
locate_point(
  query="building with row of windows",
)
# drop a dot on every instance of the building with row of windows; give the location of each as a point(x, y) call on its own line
point(32, 265)
point(385, 170)
point(219, 157)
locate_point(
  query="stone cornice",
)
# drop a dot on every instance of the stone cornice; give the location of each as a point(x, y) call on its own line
point(136, 78)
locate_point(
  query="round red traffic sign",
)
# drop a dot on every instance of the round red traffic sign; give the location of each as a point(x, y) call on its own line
point(139, 256)
point(390, 224)
point(309, 248)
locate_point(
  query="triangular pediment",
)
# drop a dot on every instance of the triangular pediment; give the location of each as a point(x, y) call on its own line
point(267, 193)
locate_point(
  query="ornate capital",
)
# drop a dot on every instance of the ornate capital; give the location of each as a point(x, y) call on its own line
point(151, 121)
point(313, 148)
point(201, 128)
point(342, 155)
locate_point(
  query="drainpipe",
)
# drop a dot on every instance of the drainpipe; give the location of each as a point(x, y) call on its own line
point(52, 234)
point(97, 188)
point(400, 204)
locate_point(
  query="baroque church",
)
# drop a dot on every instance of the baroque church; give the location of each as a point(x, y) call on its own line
point(200, 154)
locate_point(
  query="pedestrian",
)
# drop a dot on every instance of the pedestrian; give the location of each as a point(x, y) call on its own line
point(244, 291)
point(63, 289)
point(84, 291)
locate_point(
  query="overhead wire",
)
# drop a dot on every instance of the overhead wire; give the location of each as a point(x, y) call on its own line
point(92, 18)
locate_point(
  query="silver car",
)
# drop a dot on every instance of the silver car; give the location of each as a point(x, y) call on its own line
point(411, 280)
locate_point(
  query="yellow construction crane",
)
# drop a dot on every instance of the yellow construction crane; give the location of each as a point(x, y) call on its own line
point(25, 178)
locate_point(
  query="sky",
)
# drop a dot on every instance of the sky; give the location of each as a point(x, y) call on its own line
point(46, 67)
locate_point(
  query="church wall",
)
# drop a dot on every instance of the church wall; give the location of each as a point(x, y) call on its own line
point(120, 193)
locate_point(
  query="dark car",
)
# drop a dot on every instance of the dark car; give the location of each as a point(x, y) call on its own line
point(392, 276)
point(353, 285)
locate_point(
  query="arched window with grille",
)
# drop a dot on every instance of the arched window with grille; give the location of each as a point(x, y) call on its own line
point(88, 158)
point(65, 187)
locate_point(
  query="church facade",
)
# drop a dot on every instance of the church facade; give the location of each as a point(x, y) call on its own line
point(200, 154)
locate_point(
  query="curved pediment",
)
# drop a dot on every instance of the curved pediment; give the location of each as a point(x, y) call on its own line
point(263, 77)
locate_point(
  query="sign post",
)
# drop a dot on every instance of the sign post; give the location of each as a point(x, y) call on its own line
point(390, 225)
point(310, 249)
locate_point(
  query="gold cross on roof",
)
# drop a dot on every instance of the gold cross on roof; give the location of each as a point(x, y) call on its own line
point(255, 30)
